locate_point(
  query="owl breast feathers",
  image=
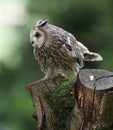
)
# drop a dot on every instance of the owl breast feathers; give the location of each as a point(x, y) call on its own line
point(57, 51)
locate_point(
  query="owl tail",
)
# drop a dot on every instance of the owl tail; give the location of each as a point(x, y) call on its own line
point(91, 56)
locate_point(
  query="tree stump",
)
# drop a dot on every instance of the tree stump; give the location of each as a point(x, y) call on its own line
point(85, 104)
point(94, 96)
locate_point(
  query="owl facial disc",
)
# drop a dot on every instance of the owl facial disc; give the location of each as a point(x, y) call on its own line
point(38, 35)
point(37, 38)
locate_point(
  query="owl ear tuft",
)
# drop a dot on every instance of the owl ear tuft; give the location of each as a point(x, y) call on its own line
point(43, 23)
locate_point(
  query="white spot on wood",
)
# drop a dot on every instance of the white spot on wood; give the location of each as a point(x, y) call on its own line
point(91, 77)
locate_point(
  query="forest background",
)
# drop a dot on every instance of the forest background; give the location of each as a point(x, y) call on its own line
point(90, 21)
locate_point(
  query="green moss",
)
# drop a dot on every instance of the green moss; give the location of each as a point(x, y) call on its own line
point(61, 102)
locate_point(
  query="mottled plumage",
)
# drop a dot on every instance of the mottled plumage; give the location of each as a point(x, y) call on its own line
point(58, 51)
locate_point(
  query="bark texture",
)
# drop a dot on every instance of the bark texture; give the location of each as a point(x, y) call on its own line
point(94, 96)
point(86, 104)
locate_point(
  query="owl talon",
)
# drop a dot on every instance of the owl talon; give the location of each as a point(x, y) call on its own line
point(45, 78)
point(63, 75)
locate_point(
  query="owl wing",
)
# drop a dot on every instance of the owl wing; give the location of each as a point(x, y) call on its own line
point(89, 56)
point(77, 50)
point(72, 48)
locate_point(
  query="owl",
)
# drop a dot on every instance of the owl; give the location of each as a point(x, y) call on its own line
point(57, 51)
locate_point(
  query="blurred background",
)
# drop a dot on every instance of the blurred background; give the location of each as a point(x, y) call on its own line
point(91, 21)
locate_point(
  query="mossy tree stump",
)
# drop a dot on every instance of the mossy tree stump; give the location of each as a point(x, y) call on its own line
point(86, 104)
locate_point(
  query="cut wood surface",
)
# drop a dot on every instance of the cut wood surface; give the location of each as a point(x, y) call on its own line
point(95, 78)
point(89, 108)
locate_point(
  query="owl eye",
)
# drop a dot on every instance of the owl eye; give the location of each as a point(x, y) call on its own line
point(37, 35)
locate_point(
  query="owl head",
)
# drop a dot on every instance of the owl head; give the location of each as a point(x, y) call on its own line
point(38, 35)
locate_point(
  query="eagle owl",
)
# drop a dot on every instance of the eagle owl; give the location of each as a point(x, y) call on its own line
point(57, 51)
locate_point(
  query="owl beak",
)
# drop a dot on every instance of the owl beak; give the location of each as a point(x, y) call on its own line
point(32, 42)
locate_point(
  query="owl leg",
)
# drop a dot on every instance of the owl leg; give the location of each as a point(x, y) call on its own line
point(62, 73)
point(48, 74)
point(68, 74)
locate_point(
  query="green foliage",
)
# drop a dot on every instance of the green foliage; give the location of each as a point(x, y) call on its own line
point(61, 101)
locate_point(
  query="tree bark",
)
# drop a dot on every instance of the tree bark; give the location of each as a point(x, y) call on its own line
point(85, 104)
point(94, 96)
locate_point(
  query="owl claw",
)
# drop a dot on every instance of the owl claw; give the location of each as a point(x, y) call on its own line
point(47, 77)
point(63, 75)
